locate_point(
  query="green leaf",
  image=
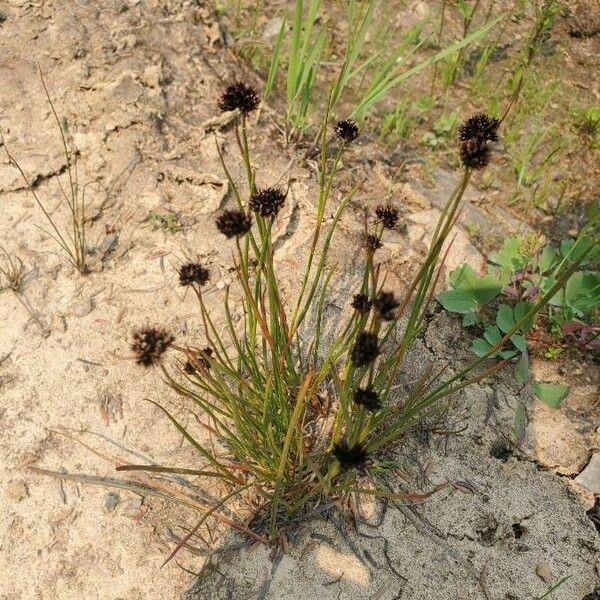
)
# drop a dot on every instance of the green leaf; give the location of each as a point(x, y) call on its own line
point(481, 347)
point(457, 301)
point(574, 287)
point(510, 255)
point(492, 335)
point(522, 369)
point(486, 289)
point(519, 311)
point(505, 318)
point(547, 259)
point(551, 393)
point(463, 277)
point(469, 319)
point(483, 289)
point(519, 341)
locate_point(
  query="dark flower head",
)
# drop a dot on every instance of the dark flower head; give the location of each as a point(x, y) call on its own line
point(368, 398)
point(149, 344)
point(267, 202)
point(349, 457)
point(365, 349)
point(201, 359)
point(474, 154)
point(386, 303)
point(233, 223)
point(193, 273)
point(388, 215)
point(480, 127)
point(373, 242)
point(239, 95)
point(361, 303)
point(346, 130)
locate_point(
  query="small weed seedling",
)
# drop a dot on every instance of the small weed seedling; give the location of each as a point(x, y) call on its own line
point(168, 221)
point(12, 271)
point(587, 122)
point(521, 272)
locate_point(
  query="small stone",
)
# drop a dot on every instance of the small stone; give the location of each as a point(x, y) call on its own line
point(110, 501)
point(81, 308)
point(17, 491)
point(590, 476)
point(59, 323)
point(542, 570)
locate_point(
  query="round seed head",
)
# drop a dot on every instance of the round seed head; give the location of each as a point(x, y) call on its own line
point(349, 457)
point(386, 303)
point(267, 202)
point(373, 242)
point(347, 130)
point(361, 303)
point(388, 215)
point(193, 274)
point(480, 127)
point(233, 223)
point(201, 359)
point(368, 398)
point(365, 349)
point(474, 154)
point(239, 95)
point(149, 344)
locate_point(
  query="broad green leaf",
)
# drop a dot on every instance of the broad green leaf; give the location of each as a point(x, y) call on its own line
point(519, 342)
point(481, 347)
point(486, 289)
point(547, 259)
point(492, 335)
point(565, 247)
point(522, 369)
point(551, 393)
point(519, 311)
point(505, 318)
point(507, 353)
point(463, 277)
point(574, 288)
point(510, 255)
point(457, 301)
point(469, 319)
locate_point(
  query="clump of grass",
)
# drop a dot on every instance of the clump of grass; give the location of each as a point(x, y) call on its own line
point(296, 421)
point(300, 51)
point(12, 271)
point(71, 240)
point(168, 221)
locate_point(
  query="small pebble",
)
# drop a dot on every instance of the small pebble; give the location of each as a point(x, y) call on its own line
point(17, 491)
point(542, 570)
point(110, 501)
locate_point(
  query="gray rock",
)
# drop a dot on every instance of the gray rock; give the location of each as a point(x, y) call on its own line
point(590, 476)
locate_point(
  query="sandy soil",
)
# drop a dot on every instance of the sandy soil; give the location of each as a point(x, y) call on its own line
point(136, 82)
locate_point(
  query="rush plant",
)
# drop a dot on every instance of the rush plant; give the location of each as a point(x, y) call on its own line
point(295, 419)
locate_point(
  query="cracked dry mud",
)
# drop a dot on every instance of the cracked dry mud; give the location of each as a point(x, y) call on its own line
point(135, 82)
